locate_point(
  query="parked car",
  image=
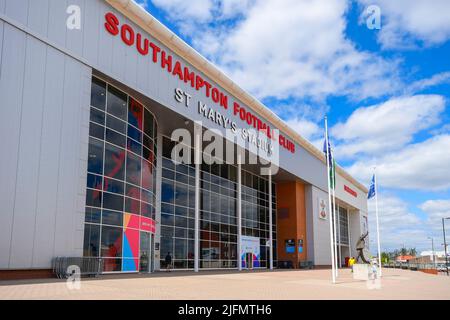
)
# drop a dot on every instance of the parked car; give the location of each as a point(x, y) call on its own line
point(441, 267)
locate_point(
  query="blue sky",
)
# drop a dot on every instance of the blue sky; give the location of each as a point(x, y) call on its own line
point(386, 92)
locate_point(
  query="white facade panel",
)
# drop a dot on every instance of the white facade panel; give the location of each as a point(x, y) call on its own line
point(44, 234)
point(321, 229)
point(92, 23)
point(41, 126)
point(74, 37)
point(38, 16)
point(66, 239)
point(11, 87)
point(28, 156)
point(2, 6)
point(57, 22)
point(17, 10)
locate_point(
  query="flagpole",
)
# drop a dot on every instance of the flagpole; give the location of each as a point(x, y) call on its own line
point(333, 274)
point(378, 225)
point(334, 225)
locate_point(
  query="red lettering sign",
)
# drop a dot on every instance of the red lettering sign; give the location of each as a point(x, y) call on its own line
point(351, 191)
point(147, 224)
point(166, 61)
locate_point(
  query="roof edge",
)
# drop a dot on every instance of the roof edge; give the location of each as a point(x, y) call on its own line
point(154, 27)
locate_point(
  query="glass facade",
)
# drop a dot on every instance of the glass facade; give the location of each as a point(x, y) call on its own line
point(218, 213)
point(255, 213)
point(121, 180)
point(343, 226)
point(121, 188)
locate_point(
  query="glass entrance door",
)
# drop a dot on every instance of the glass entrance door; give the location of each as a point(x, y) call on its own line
point(145, 253)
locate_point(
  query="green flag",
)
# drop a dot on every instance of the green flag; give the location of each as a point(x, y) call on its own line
point(333, 174)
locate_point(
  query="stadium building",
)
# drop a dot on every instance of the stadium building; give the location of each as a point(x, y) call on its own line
point(95, 98)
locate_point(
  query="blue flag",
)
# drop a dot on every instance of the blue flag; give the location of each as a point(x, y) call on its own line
point(371, 193)
point(330, 155)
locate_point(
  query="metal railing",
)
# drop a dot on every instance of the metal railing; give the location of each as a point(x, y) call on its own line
point(414, 266)
point(63, 267)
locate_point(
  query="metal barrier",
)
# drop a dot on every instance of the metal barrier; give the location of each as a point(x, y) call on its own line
point(410, 266)
point(88, 266)
point(306, 265)
point(285, 264)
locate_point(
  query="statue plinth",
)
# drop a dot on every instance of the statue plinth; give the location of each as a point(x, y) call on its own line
point(361, 271)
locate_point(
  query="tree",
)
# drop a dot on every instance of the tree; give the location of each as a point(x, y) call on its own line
point(403, 251)
point(385, 257)
point(413, 252)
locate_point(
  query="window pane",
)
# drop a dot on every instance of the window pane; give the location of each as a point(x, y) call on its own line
point(205, 199)
point(180, 222)
point(93, 198)
point(181, 211)
point(112, 201)
point(95, 156)
point(112, 218)
point(148, 142)
point(133, 191)
point(190, 252)
point(91, 240)
point(115, 138)
point(180, 249)
point(167, 219)
point(133, 169)
point(117, 103)
point(94, 181)
point(148, 124)
point(97, 116)
point(114, 162)
point(167, 231)
point(180, 233)
point(132, 206)
point(149, 155)
point(113, 186)
point(181, 194)
point(167, 208)
point(166, 246)
point(96, 131)
point(147, 210)
point(111, 242)
point(134, 134)
point(167, 191)
point(147, 175)
point(98, 93)
point(135, 113)
point(116, 124)
point(92, 215)
point(134, 146)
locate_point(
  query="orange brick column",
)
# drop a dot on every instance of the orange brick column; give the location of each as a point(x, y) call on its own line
point(291, 220)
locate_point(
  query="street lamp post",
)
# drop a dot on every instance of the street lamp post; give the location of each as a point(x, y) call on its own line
point(445, 244)
point(432, 250)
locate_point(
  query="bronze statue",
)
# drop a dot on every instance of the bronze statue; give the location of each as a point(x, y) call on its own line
point(361, 248)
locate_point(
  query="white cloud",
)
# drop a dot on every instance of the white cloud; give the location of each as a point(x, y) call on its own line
point(436, 209)
point(405, 22)
point(437, 79)
point(307, 129)
point(420, 166)
point(385, 127)
point(179, 10)
point(285, 49)
point(398, 226)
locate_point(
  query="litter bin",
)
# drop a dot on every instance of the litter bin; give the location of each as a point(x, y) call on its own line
point(347, 259)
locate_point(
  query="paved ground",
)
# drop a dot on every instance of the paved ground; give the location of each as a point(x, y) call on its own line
point(311, 284)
